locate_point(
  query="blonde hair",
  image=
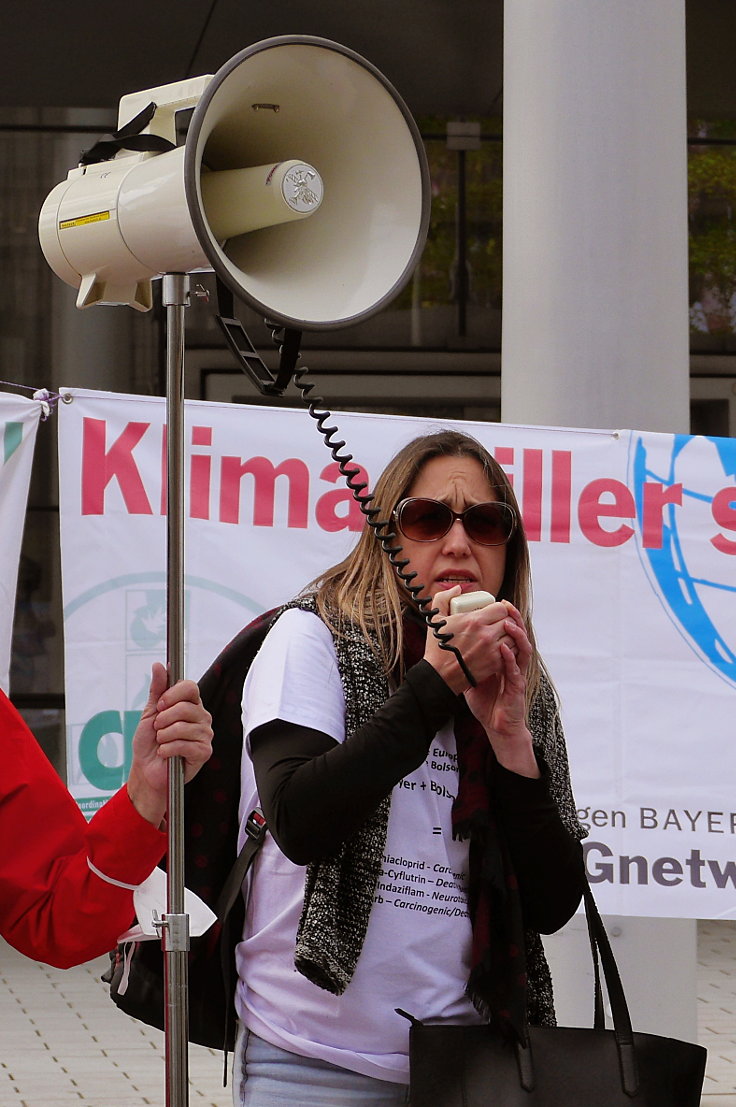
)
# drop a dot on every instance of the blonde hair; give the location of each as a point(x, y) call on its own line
point(364, 587)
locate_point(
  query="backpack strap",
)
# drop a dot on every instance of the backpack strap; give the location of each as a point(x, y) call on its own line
point(255, 828)
point(213, 796)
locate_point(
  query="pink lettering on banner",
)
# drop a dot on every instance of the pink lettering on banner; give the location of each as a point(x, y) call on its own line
point(592, 508)
point(559, 530)
point(328, 516)
point(656, 496)
point(504, 455)
point(200, 475)
point(605, 506)
point(724, 514)
point(264, 474)
point(164, 469)
point(531, 495)
point(100, 466)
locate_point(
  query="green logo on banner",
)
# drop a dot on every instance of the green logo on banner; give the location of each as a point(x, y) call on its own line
point(12, 438)
point(95, 765)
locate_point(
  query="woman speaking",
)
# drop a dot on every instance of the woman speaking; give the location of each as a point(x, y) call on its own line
point(423, 829)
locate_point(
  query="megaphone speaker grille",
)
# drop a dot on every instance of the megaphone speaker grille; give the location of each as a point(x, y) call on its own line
point(316, 101)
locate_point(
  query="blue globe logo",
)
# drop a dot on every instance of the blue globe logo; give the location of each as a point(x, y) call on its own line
point(695, 581)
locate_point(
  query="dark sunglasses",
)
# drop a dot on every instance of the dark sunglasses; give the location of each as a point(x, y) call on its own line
point(424, 520)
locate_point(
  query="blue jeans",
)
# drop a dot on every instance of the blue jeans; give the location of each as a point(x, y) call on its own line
point(267, 1076)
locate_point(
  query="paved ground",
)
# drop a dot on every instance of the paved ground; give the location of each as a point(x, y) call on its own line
point(64, 1043)
point(717, 1010)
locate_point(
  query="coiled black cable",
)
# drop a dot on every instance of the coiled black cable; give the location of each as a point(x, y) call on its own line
point(380, 527)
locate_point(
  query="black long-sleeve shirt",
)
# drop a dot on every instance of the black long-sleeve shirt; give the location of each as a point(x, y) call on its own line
point(316, 792)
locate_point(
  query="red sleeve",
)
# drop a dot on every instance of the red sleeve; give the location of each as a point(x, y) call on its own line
point(52, 906)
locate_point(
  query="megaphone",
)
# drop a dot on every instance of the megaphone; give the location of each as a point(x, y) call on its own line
point(302, 182)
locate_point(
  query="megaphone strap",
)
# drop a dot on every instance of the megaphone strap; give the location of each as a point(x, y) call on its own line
point(128, 137)
point(249, 360)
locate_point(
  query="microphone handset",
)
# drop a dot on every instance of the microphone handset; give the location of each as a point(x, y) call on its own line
point(471, 601)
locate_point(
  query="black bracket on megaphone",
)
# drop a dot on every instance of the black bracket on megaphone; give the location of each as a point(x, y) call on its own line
point(246, 355)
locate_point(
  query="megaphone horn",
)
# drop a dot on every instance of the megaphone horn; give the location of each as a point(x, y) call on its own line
point(302, 182)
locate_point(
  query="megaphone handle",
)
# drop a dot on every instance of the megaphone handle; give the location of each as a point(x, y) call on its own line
point(246, 356)
point(245, 352)
point(288, 342)
point(128, 137)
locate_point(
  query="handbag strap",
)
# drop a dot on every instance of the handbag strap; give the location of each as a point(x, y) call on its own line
point(623, 1034)
point(619, 1008)
point(599, 1017)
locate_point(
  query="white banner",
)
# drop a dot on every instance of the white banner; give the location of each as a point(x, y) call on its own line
point(633, 539)
point(19, 419)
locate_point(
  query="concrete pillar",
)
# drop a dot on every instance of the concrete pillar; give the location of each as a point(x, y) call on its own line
point(595, 315)
point(595, 301)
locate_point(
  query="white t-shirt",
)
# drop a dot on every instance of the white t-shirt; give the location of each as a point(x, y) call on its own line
point(416, 950)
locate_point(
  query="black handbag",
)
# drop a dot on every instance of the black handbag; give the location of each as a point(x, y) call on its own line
point(475, 1066)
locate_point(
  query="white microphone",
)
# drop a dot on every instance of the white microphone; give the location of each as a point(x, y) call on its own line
point(471, 601)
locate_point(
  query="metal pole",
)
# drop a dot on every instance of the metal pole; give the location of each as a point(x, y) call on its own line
point(175, 931)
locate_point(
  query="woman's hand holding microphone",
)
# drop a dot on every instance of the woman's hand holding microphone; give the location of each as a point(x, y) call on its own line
point(492, 639)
